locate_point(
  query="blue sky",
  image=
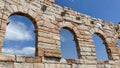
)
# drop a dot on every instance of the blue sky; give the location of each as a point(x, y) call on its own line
point(20, 40)
point(105, 9)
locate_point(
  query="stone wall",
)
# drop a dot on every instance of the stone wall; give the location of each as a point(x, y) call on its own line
point(48, 19)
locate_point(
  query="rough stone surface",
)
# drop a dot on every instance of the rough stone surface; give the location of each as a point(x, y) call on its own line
point(48, 19)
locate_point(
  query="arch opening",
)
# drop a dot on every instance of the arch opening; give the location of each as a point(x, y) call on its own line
point(69, 48)
point(100, 47)
point(20, 37)
point(119, 42)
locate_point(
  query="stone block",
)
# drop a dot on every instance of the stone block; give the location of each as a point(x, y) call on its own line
point(49, 25)
point(14, 8)
point(108, 66)
point(52, 53)
point(43, 34)
point(84, 66)
point(33, 13)
point(53, 60)
point(76, 66)
point(100, 66)
point(33, 59)
point(6, 64)
point(46, 40)
point(83, 27)
point(7, 57)
point(38, 65)
point(39, 51)
point(48, 46)
point(56, 37)
point(88, 49)
point(20, 59)
point(1, 4)
point(89, 61)
point(62, 60)
point(23, 65)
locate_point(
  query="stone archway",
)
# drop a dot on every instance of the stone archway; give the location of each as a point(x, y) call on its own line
point(70, 49)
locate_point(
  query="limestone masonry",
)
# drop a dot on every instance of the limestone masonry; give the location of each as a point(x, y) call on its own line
point(48, 19)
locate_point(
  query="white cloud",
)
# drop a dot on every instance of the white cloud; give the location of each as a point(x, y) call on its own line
point(62, 38)
point(17, 31)
point(26, 51)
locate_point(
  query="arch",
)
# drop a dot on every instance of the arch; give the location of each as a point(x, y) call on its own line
point(26, 15)
point(70, 26)
point(118, 39)
point(101, 47)
point(97, 31)
point(31, 18)
point(101, 36)
point(73, 52)
point(21, 9)
point(74, 35)
point(118, 42)
point(33, 22)
point(72, 31)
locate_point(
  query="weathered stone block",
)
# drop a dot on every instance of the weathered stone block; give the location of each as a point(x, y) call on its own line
point(20, 59)
point(23, 65)
point(46, 40)
point(38, 65)
point(62, 60)
point(6, 57)
point(33, 59)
